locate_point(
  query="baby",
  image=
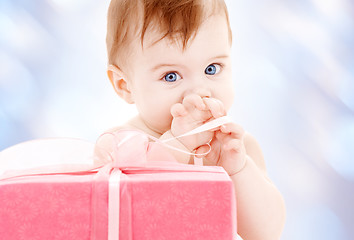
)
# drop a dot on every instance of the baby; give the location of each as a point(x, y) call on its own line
point(171, 58)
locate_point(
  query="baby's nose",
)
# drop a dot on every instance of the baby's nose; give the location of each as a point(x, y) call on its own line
point(199, 86)
point(202, 91)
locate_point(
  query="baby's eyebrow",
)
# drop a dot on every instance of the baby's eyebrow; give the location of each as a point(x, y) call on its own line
point(221, 56)
point(163, 65)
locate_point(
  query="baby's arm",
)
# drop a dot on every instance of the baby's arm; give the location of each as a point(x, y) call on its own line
point(261, 210)
point(260, 206)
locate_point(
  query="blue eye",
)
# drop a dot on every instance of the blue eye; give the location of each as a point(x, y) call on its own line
point(212, 69)
point(171, 77)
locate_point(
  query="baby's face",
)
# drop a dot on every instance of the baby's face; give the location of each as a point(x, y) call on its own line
point(161, 74)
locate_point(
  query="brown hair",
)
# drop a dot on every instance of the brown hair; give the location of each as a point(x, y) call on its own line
point(179, 20)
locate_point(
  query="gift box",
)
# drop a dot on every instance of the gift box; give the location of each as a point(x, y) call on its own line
point(142, 195)
point(156, 204)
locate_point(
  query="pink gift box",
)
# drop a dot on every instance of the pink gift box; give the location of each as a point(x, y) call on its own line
point(174, 201)
point(141, 193)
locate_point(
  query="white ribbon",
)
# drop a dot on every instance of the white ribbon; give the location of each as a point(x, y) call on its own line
point(205, 127)
point(114, 207)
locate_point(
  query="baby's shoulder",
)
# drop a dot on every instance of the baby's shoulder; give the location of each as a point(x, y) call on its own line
point(106, 137)
point(119, 128)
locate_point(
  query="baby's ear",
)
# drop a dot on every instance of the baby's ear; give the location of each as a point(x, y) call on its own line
point(120, 83)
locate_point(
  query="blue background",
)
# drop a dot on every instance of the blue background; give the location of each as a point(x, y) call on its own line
point(294, 82)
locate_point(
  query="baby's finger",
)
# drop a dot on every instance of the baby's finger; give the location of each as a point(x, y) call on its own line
point(194, 101)
point(215, 106)
point(224, 138)
point(178, 110)
point(229, 143)
point(233, 144)
point(233, 129)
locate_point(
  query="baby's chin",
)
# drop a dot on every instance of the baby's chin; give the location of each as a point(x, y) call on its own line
point(156, 129)
point(159, 125)
point(161, 130)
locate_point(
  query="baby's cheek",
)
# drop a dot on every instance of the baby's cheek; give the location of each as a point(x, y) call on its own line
point(156, 109)
point(159, 115)
point(227, 99)
point(228, 104)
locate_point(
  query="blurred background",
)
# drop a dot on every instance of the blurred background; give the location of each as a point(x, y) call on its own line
point(294, 82)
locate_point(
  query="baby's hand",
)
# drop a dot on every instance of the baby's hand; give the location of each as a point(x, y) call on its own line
point(227, 149)
point(193, 112)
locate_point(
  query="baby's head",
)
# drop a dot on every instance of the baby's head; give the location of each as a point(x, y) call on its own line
point(159, 51)
point(177, 20)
